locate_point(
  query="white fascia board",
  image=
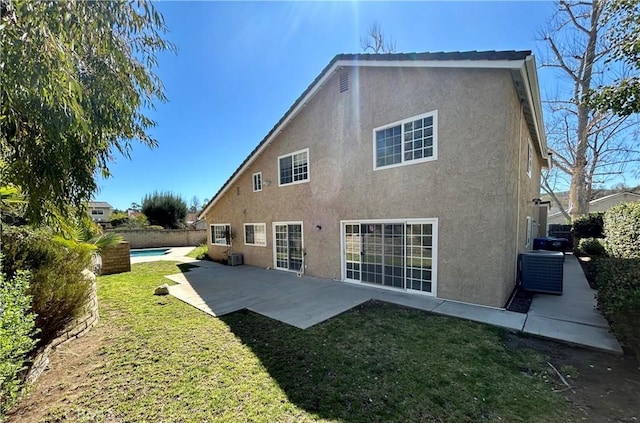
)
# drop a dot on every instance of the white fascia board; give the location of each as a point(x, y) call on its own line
point(530, 77)
point(468, 64)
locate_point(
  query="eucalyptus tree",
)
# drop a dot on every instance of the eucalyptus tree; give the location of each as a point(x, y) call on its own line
point(78, 82)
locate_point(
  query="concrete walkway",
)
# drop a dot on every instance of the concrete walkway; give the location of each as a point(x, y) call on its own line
point(306, 301)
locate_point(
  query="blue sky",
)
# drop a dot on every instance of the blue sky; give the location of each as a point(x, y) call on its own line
point(240, 66)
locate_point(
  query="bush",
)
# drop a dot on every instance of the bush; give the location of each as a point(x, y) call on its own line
point(622, 229)
point(16, 331)
point(165, 209)
point(592, 247)
point(589, 226)
point(57, 286)
point(618, 282)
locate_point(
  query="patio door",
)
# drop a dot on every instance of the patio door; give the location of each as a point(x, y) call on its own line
point(395, 254)
point(288, 245)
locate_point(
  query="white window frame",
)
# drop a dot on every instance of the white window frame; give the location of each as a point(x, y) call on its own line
point(433, 221)
point(264, 228)
point(97, 212)
point(434, 114)
point(302, 181)
point(275, 250)
point(529, 159)
point(211, 234)
point(257, 177)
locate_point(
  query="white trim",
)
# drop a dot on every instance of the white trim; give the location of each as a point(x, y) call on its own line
point(211, 234)
point(434, 114)
point(303, 181)
point(253, 181)
point(467, 64)
point(275, 253)
point(529, 76)
point(244, 227)
point(407, 221)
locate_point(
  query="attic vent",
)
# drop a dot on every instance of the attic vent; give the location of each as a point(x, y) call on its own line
point(344, 82)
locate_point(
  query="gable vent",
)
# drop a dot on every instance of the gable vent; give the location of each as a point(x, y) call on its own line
point(344, 82)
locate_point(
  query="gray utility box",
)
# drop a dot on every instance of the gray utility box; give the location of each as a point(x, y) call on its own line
point(541, 271)
point(236, 259)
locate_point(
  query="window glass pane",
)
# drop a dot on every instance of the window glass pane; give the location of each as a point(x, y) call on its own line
point(286, 170)
point(248, 234)
point(422, 137)
point(388, 146)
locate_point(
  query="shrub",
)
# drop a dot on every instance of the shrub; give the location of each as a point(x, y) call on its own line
point(119, 219)
point(16, 331)
point(592, 246)
point(165, 209)
point(622, 229)
point(57, 286)
point(589, 226)
point(618, 282)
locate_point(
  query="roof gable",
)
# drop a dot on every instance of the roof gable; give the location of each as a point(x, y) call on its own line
point(521, 63)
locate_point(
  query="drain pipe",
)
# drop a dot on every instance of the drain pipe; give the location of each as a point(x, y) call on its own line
point(518, 189)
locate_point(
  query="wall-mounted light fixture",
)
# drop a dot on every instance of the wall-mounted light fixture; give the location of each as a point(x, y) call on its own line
point(318, 227)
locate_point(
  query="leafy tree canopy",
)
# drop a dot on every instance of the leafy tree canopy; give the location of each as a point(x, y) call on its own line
point(165, 209)
point(622, 19)
point(76, 77)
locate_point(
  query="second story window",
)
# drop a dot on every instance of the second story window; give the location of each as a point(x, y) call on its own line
point(257, 182)
point(293, 168)
point(409, 141)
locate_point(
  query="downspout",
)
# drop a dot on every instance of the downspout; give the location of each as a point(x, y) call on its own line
point(518, 188)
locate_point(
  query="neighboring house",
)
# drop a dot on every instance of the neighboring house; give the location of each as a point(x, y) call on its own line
point(193, 222)
point(100, 212)
point(599, 205)
point(417, 172)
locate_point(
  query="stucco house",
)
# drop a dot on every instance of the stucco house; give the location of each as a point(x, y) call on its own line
point(418, 172)
point(100, 212)
point(601, 204)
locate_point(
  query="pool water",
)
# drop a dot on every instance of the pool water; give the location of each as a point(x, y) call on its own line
point(149, 252)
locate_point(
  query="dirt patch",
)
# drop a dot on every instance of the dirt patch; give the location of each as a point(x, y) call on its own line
point(66, 378)
point(606, 387)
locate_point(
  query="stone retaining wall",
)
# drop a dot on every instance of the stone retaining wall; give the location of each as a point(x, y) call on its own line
point(116, 259)
point(149, 238)
point(74, 330)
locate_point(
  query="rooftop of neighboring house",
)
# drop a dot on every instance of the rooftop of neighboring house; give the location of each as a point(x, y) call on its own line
point(99, 205)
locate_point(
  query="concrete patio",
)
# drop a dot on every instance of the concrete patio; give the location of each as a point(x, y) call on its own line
point(306, 301)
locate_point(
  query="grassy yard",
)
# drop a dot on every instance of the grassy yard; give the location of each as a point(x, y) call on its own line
point(200, 252)
point(166, 361)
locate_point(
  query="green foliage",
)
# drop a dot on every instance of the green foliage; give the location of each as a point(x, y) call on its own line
point(589, 226)
point(16, 335)
point(58, 288)
point(200, 252)
point(618, 282)
point(592, 246)
point(76, 79)
point(622, 96)
point(165, 209)
point(123, 220)
point(622, 229)
point(119, 219)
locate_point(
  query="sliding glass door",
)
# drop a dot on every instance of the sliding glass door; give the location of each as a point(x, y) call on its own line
point(397, 254)
point(288, 246)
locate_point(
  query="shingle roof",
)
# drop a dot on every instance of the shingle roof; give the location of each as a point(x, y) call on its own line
point(504, 55)
point(99, 204)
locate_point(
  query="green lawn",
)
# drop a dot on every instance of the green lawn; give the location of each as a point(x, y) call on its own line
point(166, 361)
point(200, 252)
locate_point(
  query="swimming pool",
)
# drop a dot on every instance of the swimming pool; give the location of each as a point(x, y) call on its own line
point(149, 252)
